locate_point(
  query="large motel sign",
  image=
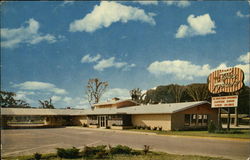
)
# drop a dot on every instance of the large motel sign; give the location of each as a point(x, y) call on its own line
point(228, 82)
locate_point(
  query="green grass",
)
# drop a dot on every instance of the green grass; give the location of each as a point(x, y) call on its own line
point(149, 156)
point(245, 134)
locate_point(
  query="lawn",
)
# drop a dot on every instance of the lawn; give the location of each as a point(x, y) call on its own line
point(149, 156)
point(244, 134)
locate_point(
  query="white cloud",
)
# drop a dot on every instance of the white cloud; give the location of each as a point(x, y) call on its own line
point(181, 69)
point(181, 4)
point(121, 93)
point(42, 86)
point(241, 15)
point(56, 98)
point(186, 70)
point(102, 64)
point(87, 58)
point(200, 25)
point(110, 62)
point(25, 34)
point(152, 2)
point(244, 58)
point(107, 13)
point(23, 95)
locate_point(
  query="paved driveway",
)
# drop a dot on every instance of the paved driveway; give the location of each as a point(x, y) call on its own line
point(28, 141)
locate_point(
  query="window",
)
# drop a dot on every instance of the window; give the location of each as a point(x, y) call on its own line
point(205, 119)
point(187, 119)
point(193, 119)
point(200, 119)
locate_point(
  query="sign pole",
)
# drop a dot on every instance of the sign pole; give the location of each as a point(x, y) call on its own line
point(236, 123)
point(228, 119)
point(219, 118)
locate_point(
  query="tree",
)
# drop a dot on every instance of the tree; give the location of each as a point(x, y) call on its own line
point(46, 104)
point(177, 92)
point(198, 91)
point(136, 95)
point(94, 90)
point(8, 100)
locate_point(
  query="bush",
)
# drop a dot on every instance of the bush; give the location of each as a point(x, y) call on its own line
point(37, 156)
point(93, 151)
point(146, 149)
point(211, 127)
point(68, 153)
point(120, 149)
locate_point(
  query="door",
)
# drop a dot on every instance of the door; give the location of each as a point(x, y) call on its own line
point(102, 121)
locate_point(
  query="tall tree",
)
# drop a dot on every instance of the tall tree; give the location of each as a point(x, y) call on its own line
point(95, 89)
point(177, 92)
point(198, 91)
point(47, 104)
point(137, 95)
point(8, 100)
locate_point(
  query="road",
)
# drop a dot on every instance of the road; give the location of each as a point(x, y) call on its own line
point(29, 141)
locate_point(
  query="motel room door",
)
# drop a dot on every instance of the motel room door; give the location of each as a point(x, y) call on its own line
point(102, 120)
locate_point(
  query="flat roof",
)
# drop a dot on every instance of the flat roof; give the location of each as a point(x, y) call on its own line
point(114, 102)
point(167, 108)
point(41, 112)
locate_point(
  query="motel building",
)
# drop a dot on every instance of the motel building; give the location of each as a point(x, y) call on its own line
point(123, 114)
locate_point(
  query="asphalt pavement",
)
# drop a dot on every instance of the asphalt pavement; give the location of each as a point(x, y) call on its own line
point(29, 141)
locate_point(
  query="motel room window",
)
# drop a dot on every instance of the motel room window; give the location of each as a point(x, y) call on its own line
point(187, 119)
point(200, 119)
point(205, 119)
point(193, 119)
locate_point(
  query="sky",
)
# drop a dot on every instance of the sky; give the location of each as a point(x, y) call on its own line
point(52, 49)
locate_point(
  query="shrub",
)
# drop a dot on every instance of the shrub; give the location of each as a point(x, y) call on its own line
point(160, 128)
point(155, 128)
point(146, 149)
point(37, 156)
point(120, 149)
point(136, 152)
point(85, 125)
point(149, 128)
point(211, 127)
point(102, 154)
point(68, 153)
point(92, 151)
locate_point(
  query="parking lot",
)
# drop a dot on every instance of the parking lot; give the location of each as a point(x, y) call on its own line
point(29, 141)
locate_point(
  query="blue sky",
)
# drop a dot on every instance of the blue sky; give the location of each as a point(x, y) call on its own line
point(51, 49)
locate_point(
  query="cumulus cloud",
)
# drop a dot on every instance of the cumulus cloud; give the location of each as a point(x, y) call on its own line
point(87, 58)
point(42, 86)
point(56, 98)
point(106, 13)
point(25, 35)
point(186, 70)
point(152, 2)
point(244, 58)
point(200, 25)
point(181, 69)
point(241, 15)
point(102, 64)
point(23, 95)
point(121, 93)
point(181, 4)
point(110, 62)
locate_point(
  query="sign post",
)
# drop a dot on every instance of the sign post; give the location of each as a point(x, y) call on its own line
point(227, 82)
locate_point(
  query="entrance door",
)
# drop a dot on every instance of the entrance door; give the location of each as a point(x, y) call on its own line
point(102, 121)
